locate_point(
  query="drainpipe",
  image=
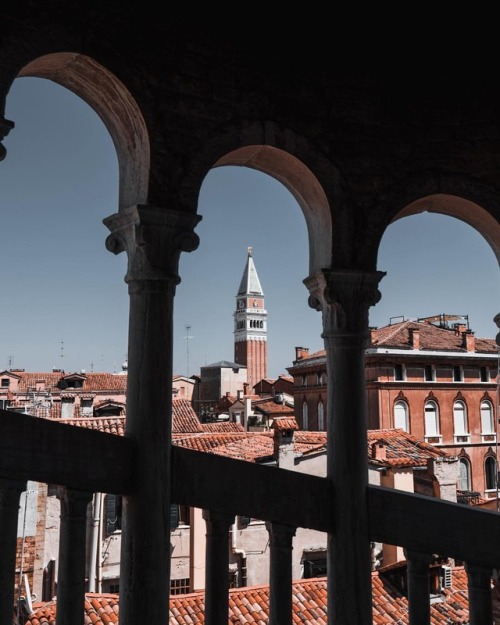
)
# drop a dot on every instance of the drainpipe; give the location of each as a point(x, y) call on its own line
point(94, 541)
point(241, 553)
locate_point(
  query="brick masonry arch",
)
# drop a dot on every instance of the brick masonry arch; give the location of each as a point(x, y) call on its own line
point(114, 104)
point(466, 210)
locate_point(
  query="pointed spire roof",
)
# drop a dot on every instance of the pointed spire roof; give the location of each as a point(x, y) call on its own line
point(250, 284)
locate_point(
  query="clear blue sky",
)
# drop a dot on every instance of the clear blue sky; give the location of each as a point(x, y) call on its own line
point(64, 301)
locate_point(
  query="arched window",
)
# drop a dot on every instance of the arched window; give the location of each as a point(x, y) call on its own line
point(321, 416)
point(464, 482)
point(401, 415)
point(487, 426)
point(490, 469)
point(460, 418)
point(305, 416)
point(431, 419)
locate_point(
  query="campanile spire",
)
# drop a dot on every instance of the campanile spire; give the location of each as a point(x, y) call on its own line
point(250, 324)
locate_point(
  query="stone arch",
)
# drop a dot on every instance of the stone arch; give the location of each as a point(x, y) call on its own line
point(304, 187)
point(114, 104)
point(466, 210)
point(288, 158)
point(470, 201)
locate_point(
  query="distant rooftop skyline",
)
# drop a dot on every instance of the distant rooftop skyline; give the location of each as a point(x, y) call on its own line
point(64, 300)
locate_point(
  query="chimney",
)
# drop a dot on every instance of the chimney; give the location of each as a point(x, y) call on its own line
point(245, 388)
point(444, 473)
point(239, 394)
point(460, 328)
point(284, 454)
point(301, 352)
point(415, 338)
point(379, 450)
point(469, 341)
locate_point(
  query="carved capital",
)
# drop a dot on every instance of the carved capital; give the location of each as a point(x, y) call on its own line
point(74, 503)
point(496, 319)
point(5, 127)
point(344, 297)
point(153, 239)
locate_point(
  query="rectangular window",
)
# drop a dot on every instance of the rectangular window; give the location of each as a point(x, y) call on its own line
point(429, 373)
point(458, 374)
point(484, 373)
point(4, 404)
point(179, 586)
point(399, 372)
point(86, 407)
point(5, 382)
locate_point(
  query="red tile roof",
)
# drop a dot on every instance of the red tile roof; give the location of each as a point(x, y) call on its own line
point(271, 408)
point(222, 426)
point(184, 418)
point(110, 425)
point(250, 606)
point(285, 423)
point(431, 337)
point(402, 449)
point(92, 382)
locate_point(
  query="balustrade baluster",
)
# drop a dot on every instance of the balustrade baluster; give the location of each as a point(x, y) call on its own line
point(10, 492)
point(72, 554)
point(480, 604)
point(217, 567)
point(418, 587)
point(280, 573)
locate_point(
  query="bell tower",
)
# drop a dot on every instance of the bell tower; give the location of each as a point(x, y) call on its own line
point(250, 325)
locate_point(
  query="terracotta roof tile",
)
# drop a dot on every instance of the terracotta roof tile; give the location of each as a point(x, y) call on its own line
point(432, 337)
point(184, 418)
point(222, 426)
point(309, 605)
point(402, 449)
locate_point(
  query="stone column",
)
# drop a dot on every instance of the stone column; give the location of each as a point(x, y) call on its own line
point(419, 600)
point(344, 298)
point(72, 555)
point(10, 492)
point(480, 595)
point(153, 239)
point(280, 573)
point(217, 571)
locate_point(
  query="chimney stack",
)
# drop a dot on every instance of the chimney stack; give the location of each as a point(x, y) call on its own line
point(379, 450)
point(469, 341)
point(301, 352)
point(284, 428)
point(415, 338)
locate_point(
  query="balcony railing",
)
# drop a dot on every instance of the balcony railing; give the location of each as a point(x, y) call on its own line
point(86, 461)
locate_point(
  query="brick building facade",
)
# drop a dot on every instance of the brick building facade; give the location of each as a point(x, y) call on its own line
point(433, 378)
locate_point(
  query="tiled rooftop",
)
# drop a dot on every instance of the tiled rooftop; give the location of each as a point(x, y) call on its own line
point(222, 426)
point(431, 338)
point(92, 382)
point(184, 418)
point(402, 449)
point(398, 336)
point(250, 606)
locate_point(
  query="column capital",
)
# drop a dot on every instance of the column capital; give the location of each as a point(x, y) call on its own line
point(281, 535)
point(74, 503)
point(344, 297)
point(5, 127)
point(153, 238)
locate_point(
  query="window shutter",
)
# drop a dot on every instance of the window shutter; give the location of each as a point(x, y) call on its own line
point(174, 516)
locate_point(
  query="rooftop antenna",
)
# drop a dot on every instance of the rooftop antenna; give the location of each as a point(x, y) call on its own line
point(62, 351)
point(187, 337)
point(10, 362)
